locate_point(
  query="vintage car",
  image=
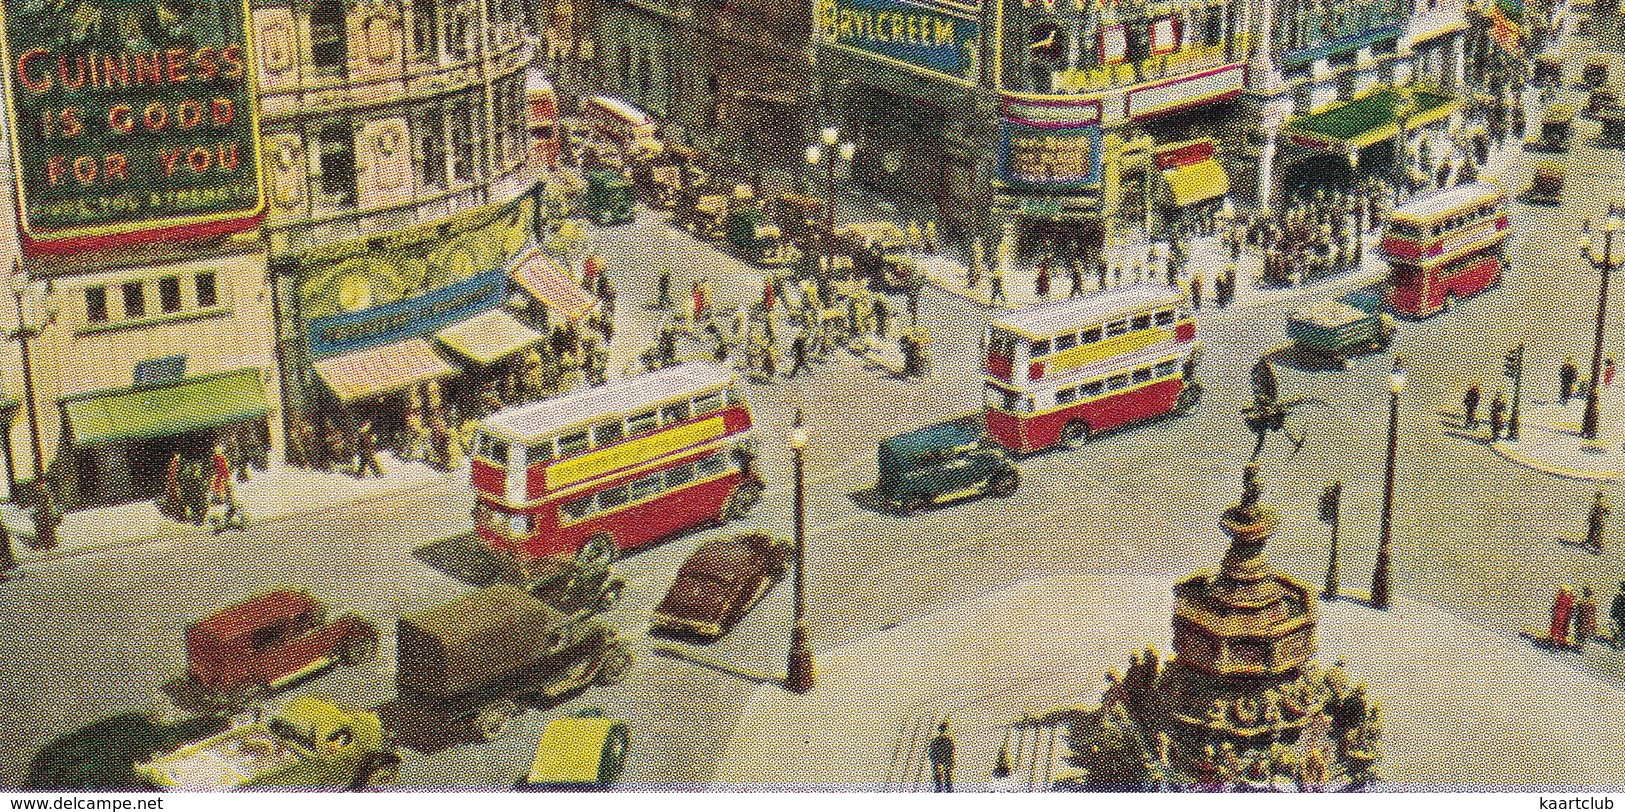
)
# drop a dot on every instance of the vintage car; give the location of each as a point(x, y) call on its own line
point(268, 641)
point(473, 660)
point(308, 743)
point(609, 197)
point(720, 583)
point(1602, 98)
point(760, 242)
point(1547, 186)
point(1336, 331)
point(940, 464)
point(584, 750)
point(1555, 129)
point(1595, 73)
point(1613, 127)
point(879, 252)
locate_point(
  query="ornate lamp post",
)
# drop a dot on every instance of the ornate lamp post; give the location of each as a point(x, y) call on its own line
point(1359, 208)
point(1603, 258)
point(1379, 577)
point(826, 151)
point(800, 675)
point(32, 318)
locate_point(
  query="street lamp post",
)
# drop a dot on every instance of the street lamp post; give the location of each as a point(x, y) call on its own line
point(826, 151)
point(1605, 262)
point(1385, 533)
point(1359, 208)
point(800, 675)
point(28, 329)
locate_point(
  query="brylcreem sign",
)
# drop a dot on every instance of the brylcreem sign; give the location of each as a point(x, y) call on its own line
point(131, 120)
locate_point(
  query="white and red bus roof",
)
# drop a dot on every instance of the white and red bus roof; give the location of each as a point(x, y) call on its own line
point(621, 110)
point(1046, 320)
point(1444, 202)
point(537, 83)
point(620, 397)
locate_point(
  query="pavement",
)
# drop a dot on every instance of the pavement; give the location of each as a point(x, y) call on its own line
point(1527, 711)
point(1549, 438)
point(275, 493)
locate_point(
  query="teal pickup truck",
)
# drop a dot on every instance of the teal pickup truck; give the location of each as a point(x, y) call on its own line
point(1334, 330)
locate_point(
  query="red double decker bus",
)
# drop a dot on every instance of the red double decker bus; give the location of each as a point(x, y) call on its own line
point(638, 459)
point(1444, 246)
point(1062, 371)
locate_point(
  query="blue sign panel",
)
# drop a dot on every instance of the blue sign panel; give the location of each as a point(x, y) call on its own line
point(408, 318)
point(923, 36)
point(160, 370)
point(1049, 157)
point(1346, 42)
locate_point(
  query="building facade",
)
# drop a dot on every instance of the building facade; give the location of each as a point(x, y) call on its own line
point(400, 194)
point(1063, 117)
point(385, 159)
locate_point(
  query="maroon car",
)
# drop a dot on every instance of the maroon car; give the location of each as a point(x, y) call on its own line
point(720, 583)
point(269, 641)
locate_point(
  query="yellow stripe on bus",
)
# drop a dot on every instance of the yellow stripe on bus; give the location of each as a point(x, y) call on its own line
point(597, 463)
point(1079, 357)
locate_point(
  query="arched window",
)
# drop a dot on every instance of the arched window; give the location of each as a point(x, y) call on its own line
point(336, 159)
point(328, 50)
point(645, 76)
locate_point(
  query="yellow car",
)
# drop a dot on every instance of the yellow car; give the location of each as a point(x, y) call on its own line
point(583, 750)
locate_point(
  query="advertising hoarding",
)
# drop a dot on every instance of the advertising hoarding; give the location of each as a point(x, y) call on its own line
point(933, 37)
point(131, 120)
point(1049, 157)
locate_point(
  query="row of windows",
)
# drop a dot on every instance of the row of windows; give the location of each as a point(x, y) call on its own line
point(1004, 343)
point(1400, 228)
point(330, 40)
point(609, 431)
point(646, 487)
point(137, 304)
point(1018, 402)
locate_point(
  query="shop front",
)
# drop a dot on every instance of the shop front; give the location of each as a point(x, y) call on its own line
point(1048, 176)
point(1192, 181)
point(123, 440)
point(1326, 147)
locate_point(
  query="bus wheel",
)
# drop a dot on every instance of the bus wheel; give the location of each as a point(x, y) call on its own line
point(1075, 433)
point(742, 500)
point(912, 505)
point(1449, 302)
point(1006, 484)
point(1188, 398)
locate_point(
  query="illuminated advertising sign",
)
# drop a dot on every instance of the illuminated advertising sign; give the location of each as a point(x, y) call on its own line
point(131, 120)
point(925, 36)
point(1049, 157)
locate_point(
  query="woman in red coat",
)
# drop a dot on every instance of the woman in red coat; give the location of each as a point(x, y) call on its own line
point(1562, 612)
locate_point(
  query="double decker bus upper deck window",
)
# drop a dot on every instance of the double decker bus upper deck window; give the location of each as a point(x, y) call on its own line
point(573, 444)
point(1065, 396)
point(1091, 389)
point(1040, 348)
point(493, 449)
point(1165, 318)
point(1117, 328)
point(540, 452)
point(1142, 322)
point(1167, 368)
point(1089, 336)
point(1066, 342)
point(608, 432)
point(734, 398)
point(1002, 343)
point(1116, 382)
point(705, 404)
point(674, 413)
point(1142, 374)
point(642, 423)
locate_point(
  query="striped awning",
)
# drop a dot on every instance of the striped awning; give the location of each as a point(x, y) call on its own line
point(1196, 182)
point(382, 370)
point(488, 338)
point(544, 279)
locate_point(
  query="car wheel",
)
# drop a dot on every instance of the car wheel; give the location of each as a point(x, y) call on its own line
point(1075, 434)
point(493, 719)
point(1188, 397)
point(617, 662)
point(1449, 302)
point(1006, 484)
point(384, 769)
point(912, 505)
point(612, 760)
point(742, 500)
point(361, 646)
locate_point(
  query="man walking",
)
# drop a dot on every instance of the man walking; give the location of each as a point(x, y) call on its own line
point(1196, 289)
point(941, 753)
point(1076, 272)
point(1617, 613)
point(1566, 377)
point(366, 453)
point(1469, 406)
point(1498, 414)
point(1597, 522)
point(1041, 281)
point(798, 352)
point(995, 284)
point(1585, 618)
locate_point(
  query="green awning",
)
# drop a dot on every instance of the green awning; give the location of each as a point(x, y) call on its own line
point(164, 411)
point(1369, 119)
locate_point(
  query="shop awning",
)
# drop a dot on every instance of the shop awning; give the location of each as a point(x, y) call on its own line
point(542, 278)
point(1369, 119)
point(488, 337)
point(382, 370)
point(1192, 171)
point(173, 408)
